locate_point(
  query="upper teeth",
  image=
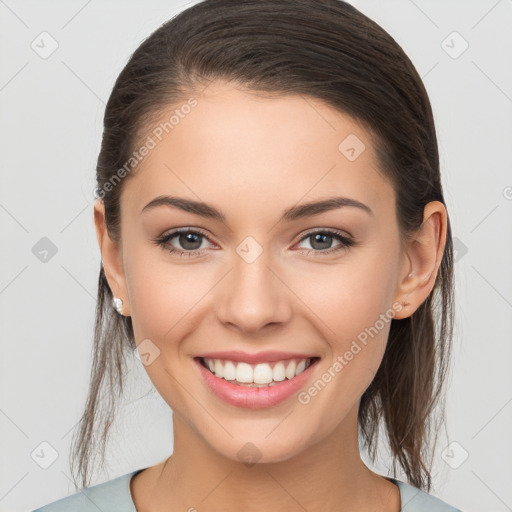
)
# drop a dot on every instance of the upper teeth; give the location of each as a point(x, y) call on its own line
point(261, 373)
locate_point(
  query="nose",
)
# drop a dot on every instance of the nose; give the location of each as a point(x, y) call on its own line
point(253, 296)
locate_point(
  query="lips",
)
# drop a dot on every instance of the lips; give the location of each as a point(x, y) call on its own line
point(269, 395)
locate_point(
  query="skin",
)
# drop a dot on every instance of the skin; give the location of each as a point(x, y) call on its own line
point(252, 156)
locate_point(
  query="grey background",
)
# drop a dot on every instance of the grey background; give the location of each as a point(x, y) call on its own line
point(51, 121)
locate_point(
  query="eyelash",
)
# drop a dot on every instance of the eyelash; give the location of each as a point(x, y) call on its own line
point(344, 245)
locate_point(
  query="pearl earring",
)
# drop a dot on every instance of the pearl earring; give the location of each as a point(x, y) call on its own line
point(118, 305)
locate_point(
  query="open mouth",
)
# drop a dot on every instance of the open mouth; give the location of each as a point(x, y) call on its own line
point(257, 375)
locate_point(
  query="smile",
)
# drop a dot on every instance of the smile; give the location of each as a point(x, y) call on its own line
point(255, 386)
point(256, 375)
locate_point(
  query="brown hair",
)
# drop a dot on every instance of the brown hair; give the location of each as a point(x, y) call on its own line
point(328, 50)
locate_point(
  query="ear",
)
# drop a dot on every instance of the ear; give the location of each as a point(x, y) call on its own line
point(111, 257)
point(423, 256)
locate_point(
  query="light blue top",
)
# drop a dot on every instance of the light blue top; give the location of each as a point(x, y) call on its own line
point(115, 496)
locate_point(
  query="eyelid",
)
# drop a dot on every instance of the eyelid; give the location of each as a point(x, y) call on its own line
point(334, 231)
point(345, 240)
point(177, 231)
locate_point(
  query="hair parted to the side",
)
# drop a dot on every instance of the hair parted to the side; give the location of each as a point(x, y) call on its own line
point(324, 49)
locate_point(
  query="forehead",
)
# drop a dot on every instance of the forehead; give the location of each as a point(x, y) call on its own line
point(257, 151)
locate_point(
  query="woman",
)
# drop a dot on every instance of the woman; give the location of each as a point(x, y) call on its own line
point(238, 132)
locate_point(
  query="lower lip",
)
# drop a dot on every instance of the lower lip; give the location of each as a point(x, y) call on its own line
point(254, 398)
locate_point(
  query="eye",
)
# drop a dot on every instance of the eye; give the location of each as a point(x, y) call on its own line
point(322, 238)
point(189, 239)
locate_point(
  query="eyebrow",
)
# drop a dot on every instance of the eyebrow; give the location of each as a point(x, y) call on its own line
point(293, 213)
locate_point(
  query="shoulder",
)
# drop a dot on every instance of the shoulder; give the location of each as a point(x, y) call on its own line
point(416, 500)
point(111, 496)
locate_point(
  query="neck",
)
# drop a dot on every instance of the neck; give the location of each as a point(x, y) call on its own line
point(328, 475)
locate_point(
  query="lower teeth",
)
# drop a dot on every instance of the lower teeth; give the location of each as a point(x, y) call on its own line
point(252, 384)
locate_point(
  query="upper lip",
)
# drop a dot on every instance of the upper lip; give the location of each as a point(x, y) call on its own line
point(260, 357)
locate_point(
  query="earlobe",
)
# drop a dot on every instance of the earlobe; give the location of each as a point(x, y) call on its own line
point(424, 255)
point(110, 257)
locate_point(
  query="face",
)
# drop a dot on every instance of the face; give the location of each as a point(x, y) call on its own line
point(323, 284)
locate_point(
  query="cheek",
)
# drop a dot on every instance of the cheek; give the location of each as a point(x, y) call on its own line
point(163, 302)
point(355, 326)
point(349, 295)
point(163, 295)
point(349, 304)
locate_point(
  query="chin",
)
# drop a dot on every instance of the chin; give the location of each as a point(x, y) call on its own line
point(258, 450)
